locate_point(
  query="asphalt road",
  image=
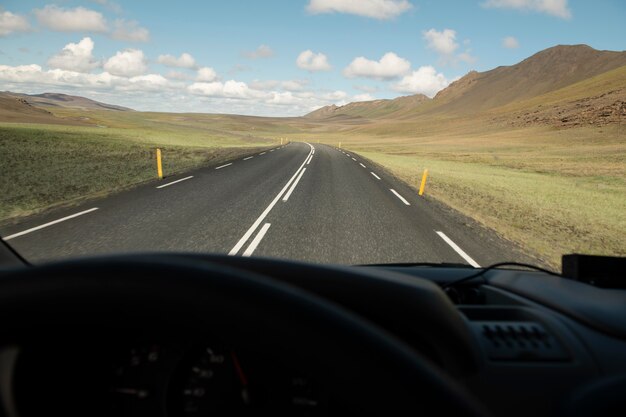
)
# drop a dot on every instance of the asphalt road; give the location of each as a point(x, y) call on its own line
point(300, 201)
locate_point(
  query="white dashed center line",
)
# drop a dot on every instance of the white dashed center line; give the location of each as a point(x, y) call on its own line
point(250, 157)
point(375, 176)
point(49, 224)
point(174, 182)
point(362, 165)
point(400, 197)
point(458, 250)
point(224, 166)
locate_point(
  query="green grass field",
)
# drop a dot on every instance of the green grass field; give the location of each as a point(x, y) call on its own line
point(45, 166)
point(550, 191)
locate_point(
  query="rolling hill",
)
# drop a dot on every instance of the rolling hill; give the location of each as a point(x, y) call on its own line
point(35, 108)
point(552, 70)
point(370, 109)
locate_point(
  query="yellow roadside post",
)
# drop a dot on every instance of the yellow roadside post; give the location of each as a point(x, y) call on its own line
point(159, 165)
point(423, 185)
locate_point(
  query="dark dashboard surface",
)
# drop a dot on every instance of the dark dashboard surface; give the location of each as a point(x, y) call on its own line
point(520, 342)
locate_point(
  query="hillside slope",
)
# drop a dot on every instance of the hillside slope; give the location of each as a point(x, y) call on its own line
point(371, 109)
point(546, 71)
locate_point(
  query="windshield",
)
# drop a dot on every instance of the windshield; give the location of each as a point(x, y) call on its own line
point(369, 132)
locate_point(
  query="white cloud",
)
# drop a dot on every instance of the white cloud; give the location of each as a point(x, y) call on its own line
point(510, 42)
point(130, 31)
point(78, 19)
point(184, 61)
point(363, 97)
point(34, 75)
point(263, 51)
point(377, 9)
point(443, 42)
point(10, 23)
point(294, 85)
point(336, 95)
point(388, 67)
point(426, 80)
point(206, 74)
point(229, 89)
point(264, 84)
point(75, 57)
point(177, 75)
point(310, 61)
point(284, 98)
point(127, 63)
point(467, 57)
point(558, 8)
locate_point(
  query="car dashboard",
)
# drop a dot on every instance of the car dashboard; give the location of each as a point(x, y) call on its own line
point(521, 342)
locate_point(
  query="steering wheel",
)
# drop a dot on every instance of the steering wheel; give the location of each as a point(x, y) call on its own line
point(368, 370)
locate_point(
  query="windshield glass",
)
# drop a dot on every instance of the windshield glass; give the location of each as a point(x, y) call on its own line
point(356, 132)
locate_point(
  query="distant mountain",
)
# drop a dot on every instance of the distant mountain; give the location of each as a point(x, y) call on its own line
point(546, 71)
point(47, 100)
point(39, 108)
point(550, 70)
point(370, 109)
point(16, 110)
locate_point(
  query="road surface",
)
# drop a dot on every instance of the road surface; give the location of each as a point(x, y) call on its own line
point(299, 201)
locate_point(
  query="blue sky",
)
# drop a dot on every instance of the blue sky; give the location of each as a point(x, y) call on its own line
point(280, 57)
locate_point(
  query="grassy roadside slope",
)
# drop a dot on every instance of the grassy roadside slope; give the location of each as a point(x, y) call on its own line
point(49, 165)
point(550, 191)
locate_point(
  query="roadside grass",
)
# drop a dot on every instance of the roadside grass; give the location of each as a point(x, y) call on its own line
point(44, 166)
point(551, 191)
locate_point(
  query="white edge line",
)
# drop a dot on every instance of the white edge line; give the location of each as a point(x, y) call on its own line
point(49, 224)
point(400, 197)
point(250, 157)
point(224, 166)
point(174, 182)
point(362, 165)
point(375, 176)
point(458, 250)
point(262, 153)
point(293, 187)
point(309, 161)
point(258, 221)
point(257, 239)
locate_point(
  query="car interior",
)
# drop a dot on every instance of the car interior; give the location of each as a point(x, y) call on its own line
point(194, 334)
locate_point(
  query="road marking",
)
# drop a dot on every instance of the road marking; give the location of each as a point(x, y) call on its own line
point(354, 159)
point(250, 157)
point(257, 239)
point(458, 250)
point(269, 208)
point(224, 166)
point(293, 187)
point(375, 176)
point(272, 150)
point(262, 153)
point(309, 161)
point(174, 182)
point(400, 197)
point(49, 224)
point(362, 165)
point(313, 151)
